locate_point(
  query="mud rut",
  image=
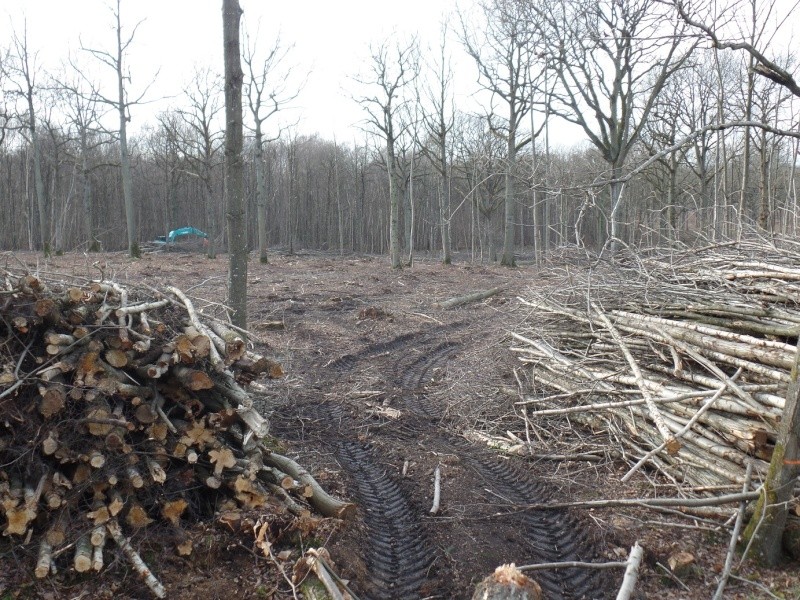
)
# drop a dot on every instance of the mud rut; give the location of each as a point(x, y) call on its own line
point(405, 552)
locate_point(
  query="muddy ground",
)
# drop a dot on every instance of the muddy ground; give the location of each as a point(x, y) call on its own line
point(380, 387)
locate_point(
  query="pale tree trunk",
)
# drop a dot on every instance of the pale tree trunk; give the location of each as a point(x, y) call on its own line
point(615, 191)
point(764, 195)
point(42, 201)
point(672, 198)
point(291, 191)
point(338, 192)
point(748, 112)
point(92, 243)
point(234, 166)
point(408, 220)
point(765, 530)
point(537, 241)
point(261, 196)
point(394, 205)
point(444, 211)
point(510, 202)
point(409, 217)
point(211, 218)
point(124, 156)
point(745, 154)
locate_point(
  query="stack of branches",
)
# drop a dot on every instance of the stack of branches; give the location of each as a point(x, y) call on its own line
point(121, 407)
point(684, 359)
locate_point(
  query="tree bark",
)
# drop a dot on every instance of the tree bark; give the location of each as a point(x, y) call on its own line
point(234, 167)
point(124, 155)
point(765, 530)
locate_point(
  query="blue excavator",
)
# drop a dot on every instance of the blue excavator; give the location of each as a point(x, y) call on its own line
point(186, 233)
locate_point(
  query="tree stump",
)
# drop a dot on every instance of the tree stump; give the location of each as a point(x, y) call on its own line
point(507, 583)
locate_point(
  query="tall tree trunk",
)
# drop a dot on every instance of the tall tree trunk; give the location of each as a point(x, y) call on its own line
point(124, 155)
point(765, 530)
point(444, 211)
point(615, 192)
point(338, 193)
point(211, 217)
point(234, 165)
point(394, 206)
point(42, 203)
point(261, 196)
point(510, 202)
point(764, 196)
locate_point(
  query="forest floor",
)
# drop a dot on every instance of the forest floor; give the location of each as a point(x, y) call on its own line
point(380, 387)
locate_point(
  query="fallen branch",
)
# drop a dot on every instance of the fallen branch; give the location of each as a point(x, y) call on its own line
point(670, 442)
point(437, 484)
point(468, 298)
point(573, 564)
point(631, 573)
point(136, 561)
point(654, 502)
point(726, 571)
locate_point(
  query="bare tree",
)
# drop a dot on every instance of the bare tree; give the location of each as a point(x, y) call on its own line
point(23, 69)
point(438, 120)
point(200, 142)
point(393, 68)
point(234, 164)
point(480, 156)
point(268, 89)
point(611, 59)
point(121, 103)
point(503, 52)
point(166, 149)
point(82, 111)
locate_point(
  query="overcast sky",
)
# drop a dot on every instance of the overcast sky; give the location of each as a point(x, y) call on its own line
point(331, 40)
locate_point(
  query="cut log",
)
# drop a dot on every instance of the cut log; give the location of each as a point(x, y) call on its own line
point(44, 560)
point(82, 560)
point(320, 499)
point(136, 561)
point(173, 509)
point(468, 298)
point(507, 583)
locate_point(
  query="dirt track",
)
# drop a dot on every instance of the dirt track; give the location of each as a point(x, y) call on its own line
point(389, 380)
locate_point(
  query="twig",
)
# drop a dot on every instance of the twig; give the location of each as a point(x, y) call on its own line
point(684, 429)
point(672, 445)
point(437, 486)
point(631, 573)
point(574, 565)
point(672, 576)
point(141, 568)
point(723, 579)
point(654, 502)
point(760, 586)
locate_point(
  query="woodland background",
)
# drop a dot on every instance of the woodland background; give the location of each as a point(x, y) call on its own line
point(661, 107)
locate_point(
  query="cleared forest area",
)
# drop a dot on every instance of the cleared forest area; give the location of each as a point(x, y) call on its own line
point(515, 407)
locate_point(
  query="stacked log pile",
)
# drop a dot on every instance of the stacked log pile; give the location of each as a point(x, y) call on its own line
point(684, 359)
point(120, 408)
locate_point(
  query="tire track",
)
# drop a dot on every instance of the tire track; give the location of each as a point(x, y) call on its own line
point(397, 553)
point(347, 362)
point(551, 535)
point(414, 376)
point(399, 559)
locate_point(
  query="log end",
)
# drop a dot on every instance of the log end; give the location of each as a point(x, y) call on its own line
point(507, 583)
